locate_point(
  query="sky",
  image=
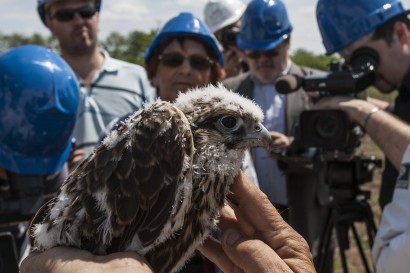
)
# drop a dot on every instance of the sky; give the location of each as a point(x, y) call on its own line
point(124, 16)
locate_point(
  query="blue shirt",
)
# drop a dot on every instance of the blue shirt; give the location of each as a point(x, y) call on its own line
point(271, 180)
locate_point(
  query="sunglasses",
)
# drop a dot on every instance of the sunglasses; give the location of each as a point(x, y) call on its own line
point(197, 62)
point(66, 15)
point(258, 53)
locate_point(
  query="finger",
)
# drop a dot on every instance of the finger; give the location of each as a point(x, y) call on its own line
point(267, 224)
point(252, 256)
point(212, 250)
point(248, 200)
point(228, 220)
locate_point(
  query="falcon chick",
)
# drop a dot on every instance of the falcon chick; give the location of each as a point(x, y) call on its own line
point(156, 183)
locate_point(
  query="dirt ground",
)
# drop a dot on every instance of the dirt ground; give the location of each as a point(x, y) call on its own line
point(354, 261)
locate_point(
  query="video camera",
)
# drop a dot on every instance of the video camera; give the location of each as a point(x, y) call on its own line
point(331, 129)
point(228, 37)
point(326, 138)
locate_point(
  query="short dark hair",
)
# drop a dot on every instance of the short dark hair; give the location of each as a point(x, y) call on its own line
point(385, 31)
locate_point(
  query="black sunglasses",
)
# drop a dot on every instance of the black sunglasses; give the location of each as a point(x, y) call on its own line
point(258, 53)
point(66, 15)
point(197, 62)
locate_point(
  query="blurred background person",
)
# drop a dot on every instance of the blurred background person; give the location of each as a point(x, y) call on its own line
point(110, 88)
point(298, 193)
point(223, 19)
point(39, 100)
point(183, 55)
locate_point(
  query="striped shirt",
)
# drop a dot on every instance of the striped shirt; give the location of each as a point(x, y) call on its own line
point(119, 88)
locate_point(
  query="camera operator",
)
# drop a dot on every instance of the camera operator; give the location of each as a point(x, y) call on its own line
point(384, 26)
point(265, 37)
point(223, 19)
point(38, 107)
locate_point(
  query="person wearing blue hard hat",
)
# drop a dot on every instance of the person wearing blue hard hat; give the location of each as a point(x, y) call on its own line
point(183, 55)
point(39, 99)
point(109, 88)
point(265, 37)
point(344, 32)
point(349, 27)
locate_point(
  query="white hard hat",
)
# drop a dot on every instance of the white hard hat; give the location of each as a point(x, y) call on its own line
point(221, 13)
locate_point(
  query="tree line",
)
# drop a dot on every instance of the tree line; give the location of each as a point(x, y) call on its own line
point(131, 48)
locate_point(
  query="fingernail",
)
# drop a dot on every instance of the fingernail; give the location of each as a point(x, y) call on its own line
point(231, 237)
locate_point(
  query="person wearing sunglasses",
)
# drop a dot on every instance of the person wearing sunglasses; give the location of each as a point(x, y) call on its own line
point(183, 55)
point(110, 88)
point(265, 37)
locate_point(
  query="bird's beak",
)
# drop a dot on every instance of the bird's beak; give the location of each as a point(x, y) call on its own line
point(256, 135)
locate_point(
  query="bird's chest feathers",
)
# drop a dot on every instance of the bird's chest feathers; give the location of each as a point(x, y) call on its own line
point(214, 169)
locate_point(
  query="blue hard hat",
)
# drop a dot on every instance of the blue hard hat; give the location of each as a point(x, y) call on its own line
point(185, 24)
point(39, 98)
point(42, 11)
point(341, 22)
point(264, 25)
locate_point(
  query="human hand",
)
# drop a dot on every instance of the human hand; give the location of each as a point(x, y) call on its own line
point(68, 260)
point(279, 143)
point(279, 139)
point(232, 61)
point(255, 238)
point(356, 109)
point(74, 159)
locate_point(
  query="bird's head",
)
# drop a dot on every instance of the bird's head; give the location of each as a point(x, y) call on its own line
point(219, 116)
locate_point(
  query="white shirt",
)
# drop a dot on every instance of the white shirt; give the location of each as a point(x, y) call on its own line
point(391, 249)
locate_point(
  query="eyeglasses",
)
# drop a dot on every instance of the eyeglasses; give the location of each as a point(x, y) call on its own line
point(197, 62)
point(258, 53)
point(66, 15)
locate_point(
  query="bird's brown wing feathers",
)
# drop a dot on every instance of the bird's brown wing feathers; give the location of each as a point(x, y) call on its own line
point(140, 175)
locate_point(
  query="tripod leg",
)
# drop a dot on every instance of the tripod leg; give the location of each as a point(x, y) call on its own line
point(361, 251)
point(370, 225)
point(339, 232)
point(324, 243)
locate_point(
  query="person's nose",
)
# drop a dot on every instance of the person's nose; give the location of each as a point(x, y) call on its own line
point(78, 18)
point(185, 67)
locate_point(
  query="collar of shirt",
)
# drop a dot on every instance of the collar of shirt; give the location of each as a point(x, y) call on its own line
point(109, 64)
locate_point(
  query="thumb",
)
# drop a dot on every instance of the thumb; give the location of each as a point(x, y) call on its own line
point(251, 255)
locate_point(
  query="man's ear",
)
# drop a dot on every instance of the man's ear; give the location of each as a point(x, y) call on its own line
point(402, 32)
point(49, 24)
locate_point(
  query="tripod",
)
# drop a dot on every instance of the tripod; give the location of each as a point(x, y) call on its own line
point(342, 216)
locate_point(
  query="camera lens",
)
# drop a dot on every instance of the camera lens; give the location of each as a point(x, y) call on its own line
point(326, 126)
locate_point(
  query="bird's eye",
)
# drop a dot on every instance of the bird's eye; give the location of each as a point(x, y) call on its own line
point(228, 121)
